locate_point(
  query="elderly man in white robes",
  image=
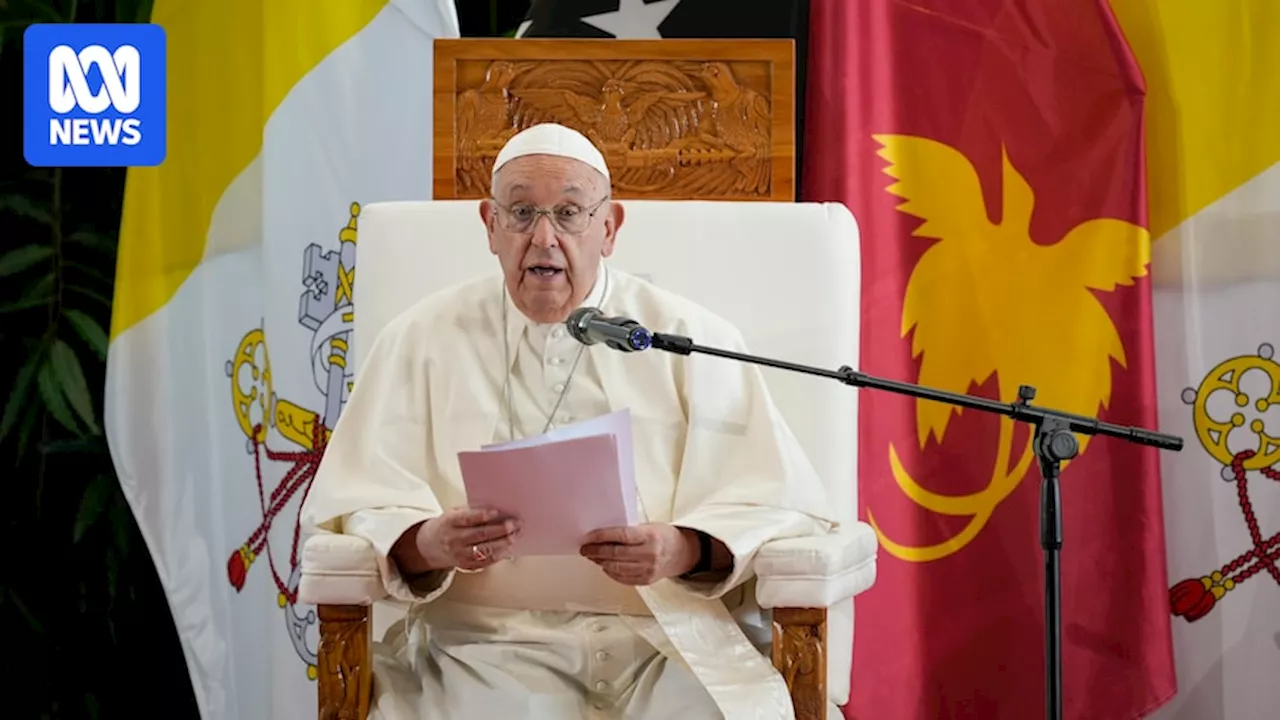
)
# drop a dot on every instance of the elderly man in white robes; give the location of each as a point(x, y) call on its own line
point(647, 623)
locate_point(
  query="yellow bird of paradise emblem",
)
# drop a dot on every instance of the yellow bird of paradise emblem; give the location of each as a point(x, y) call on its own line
point(977, 302)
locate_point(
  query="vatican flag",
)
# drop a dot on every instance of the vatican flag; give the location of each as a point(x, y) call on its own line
point(1214, 168)
point(235, 293)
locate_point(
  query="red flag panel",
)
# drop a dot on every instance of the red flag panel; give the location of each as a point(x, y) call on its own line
point(992, 152)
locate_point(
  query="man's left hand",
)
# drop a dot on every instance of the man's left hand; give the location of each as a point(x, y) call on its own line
point(642, 554)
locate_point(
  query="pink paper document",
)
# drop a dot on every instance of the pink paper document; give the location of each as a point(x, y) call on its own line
point(561, 485)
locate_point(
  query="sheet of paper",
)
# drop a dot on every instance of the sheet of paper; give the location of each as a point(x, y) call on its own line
point(561, 485)
point(617, 424)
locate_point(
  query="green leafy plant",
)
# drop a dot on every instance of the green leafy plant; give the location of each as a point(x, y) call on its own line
point(73, 301)
point(85, 621)
point(87, 581)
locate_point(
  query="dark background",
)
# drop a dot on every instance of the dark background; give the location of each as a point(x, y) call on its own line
point(84, 624)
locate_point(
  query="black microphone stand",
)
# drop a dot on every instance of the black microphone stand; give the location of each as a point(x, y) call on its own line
point(1054, 443)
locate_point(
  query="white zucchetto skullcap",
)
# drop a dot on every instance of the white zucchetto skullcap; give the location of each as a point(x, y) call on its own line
point(551, 139)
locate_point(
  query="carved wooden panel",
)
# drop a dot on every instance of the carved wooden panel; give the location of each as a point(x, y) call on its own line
point(800, 654)
point(675, 119)
point(345, 663)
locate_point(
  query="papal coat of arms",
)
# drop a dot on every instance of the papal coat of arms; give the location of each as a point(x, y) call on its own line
point(283, 476)
point(1236, 410)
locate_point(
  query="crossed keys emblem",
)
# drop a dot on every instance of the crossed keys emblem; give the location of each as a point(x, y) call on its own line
point(1236, 411)
point(326, 308)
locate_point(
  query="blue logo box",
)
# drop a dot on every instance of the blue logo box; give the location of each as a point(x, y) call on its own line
point(94, 95)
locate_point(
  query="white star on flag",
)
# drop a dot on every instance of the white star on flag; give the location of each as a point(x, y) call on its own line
point(634, 19)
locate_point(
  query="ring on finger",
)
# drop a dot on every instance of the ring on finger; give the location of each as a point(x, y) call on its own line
point(478, 554)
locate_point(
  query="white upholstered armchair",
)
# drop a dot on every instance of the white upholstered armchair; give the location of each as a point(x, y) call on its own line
point(787, 274)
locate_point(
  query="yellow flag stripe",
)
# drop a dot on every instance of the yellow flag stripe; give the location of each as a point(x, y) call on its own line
point(1212, 71)
point(231, 63)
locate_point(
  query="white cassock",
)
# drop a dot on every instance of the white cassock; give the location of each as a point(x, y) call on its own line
point(553, 638)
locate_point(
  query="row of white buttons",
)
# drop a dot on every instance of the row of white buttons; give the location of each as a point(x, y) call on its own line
point(556, 334)
point(601, 685)
point(601, 656)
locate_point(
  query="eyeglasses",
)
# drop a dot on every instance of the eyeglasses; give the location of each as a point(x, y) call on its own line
point(569, 218)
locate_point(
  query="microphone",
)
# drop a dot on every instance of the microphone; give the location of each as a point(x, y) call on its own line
point(589, 326)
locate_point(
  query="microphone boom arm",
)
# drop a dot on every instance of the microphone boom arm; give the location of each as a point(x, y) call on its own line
point(1022, 410)
point(1054, 443)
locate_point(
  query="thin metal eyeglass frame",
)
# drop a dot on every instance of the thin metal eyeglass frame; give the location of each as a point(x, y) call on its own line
point(551, 217)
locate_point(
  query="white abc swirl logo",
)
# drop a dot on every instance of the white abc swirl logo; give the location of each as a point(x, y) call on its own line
point(69, 86)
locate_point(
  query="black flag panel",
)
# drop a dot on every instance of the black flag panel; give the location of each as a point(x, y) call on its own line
point(655, 19)
point(667, 18)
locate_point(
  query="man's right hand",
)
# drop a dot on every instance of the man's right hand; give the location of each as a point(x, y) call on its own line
point(466, 538)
